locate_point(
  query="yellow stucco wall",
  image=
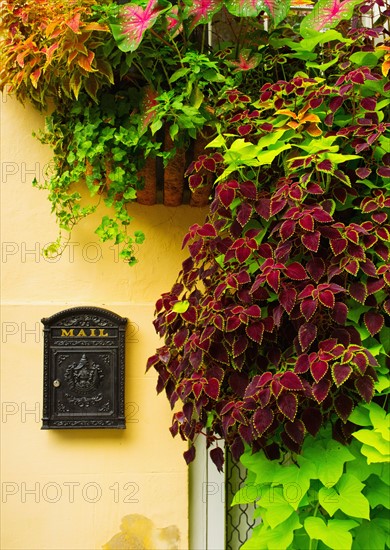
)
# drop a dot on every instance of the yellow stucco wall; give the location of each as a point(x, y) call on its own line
point(64, 489)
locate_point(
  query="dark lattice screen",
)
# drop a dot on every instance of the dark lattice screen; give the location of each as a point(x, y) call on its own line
point(239, 519)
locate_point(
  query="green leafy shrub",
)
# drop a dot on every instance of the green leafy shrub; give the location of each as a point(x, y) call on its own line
point(328, 496)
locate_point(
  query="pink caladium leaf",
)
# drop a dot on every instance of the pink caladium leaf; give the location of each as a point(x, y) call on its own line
point(202, 11)
point(326, 14)
point(277, 9)
point(133, 21)
point(245, 8)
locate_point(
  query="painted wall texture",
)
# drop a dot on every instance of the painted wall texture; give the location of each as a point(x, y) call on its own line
point(82, 489)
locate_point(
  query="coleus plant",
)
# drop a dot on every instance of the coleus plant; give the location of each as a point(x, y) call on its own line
point(279, 319)
point(50, 50)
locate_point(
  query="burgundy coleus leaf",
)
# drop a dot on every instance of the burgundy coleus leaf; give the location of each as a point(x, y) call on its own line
point(374, 322)
point(244, 129)
point(308, 308)
point(287, 229)
point(226, 192)
point(358, 291)
point(314, 188)
point(287, 298)
point(318, 369)
point(326, 297)
point(263, 208)
point(383, 171)
point(335, 103)
point(246, 433)
point(239, 345)
point(248, 189)
point(352, 267)
point(338, 245)
point(134, 20)
point(386, 306)
point(288, 405)
point(344, 406)
point(365, 387)
point(316, 268)
point(307, 222)
point(217, 456)
point(341, 372)
point(291, 381)
point(325, 166)
point(361, 362)
point(311, 240)
point(273, 278)
point(180, 337)
point(189, 455)
point(258, 382)
point(211, 388)
point(296, 271)
point(312, 419)
point(277, 205)
point(244, 213)
point(320, 390)
point(306, 335)
point(295, 430)
point(262, 420)
point(232, 323)
point(302, 364)
point(368, 267)
point(340, 312)
point(255, 331)
point(363, 172)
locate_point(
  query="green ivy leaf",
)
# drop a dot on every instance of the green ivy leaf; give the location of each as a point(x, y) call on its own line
point(275, 509)
point(372, 534)
point(377, 491)
point(346, 496)
point(265, 538)
point(329, 458)
point(334, 530)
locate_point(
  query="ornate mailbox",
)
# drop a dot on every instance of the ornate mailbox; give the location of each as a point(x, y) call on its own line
point(84, 364)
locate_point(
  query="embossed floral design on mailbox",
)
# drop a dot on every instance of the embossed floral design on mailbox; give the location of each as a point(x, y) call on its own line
point(84, 362)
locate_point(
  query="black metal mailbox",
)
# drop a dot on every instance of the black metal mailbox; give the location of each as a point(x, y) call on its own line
point(84, 369)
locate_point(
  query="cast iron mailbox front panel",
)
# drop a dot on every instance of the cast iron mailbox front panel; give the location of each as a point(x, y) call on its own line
point(84, 364)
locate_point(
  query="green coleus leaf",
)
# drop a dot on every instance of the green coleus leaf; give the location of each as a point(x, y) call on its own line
point(181, 307)
point(330, 532)
point(346, 496)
